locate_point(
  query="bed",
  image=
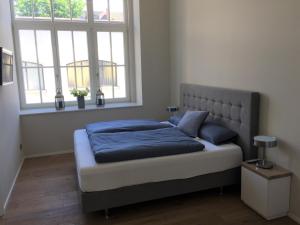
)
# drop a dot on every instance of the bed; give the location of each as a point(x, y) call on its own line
point(109, 185)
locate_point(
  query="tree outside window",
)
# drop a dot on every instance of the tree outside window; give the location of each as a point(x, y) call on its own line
point(42, 8)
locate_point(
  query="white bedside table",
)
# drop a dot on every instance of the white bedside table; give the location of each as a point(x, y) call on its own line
point(266, 191)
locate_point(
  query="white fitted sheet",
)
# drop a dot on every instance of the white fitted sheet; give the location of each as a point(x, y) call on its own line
point(100, 177)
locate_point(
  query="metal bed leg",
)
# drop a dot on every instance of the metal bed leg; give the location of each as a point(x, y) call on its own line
point(221, 191)
point(106, 212)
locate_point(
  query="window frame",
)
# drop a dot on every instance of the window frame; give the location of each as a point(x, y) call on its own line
point(91, 27)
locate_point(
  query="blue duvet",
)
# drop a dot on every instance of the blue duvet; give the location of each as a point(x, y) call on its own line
point(123, 126)
point(124, 146)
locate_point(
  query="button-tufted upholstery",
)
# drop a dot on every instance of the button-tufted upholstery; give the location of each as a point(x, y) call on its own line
point(235, 109)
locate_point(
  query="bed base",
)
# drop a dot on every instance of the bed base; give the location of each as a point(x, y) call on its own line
point(105, 200)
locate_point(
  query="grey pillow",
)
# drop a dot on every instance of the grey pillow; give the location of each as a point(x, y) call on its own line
point(216, 134)
point(175, 119)
point(191, 122)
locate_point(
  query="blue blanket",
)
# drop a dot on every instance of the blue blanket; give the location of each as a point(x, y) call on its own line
point(124, 125)
point(115, 147)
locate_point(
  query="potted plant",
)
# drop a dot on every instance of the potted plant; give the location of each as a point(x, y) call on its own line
point(80, 94)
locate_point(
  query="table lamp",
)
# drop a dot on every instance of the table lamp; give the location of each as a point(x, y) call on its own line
point(265, 142)
point(172, 109)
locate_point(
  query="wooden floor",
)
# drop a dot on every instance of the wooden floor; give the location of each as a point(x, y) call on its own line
point(46, 193)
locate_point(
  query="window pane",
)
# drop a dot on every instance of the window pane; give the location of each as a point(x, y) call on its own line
point(65, 74)
point(68, 82)
point(120, 86)
point(27, 42)
point(106, 81)
point(65, 47)
point(66, 40)
point(31, 79)
point(78, 77)
point(118, 47)
point(108, 10)
point(116, 10)
point(83, 77)
point(100, 10)
point(31, 85)
point(74, 63)
point(39, 84)
point(104, 52)
point(23, 8)
point(80, 46)
point(44, 47)
point(79, 10)
point(42, 9)
point(112, 73)
point(38, 71)
point(62, 9)
point(105, 69)
point(107, 74)
point(74, 77)
point(49, 90)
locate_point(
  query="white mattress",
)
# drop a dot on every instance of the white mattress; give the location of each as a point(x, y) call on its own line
point(99, 177)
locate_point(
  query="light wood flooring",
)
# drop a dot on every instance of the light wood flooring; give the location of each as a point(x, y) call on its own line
point(46, 194)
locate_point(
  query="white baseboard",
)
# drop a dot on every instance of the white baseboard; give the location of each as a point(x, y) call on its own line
point(294, 217)
point(12, 186)
point(49, 154)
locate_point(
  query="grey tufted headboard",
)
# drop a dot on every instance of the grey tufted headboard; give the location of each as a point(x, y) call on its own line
point(235, 109)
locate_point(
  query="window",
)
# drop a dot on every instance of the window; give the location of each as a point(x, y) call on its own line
point(67, 44)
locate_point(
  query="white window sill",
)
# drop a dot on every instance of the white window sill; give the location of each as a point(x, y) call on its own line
point(40, 111)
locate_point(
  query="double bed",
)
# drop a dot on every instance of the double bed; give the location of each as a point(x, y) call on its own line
point(109, 185)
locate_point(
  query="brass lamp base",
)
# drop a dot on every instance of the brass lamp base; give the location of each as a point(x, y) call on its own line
point(264, 164)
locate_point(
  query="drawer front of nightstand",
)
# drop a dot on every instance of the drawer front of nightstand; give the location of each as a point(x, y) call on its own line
point(254, 191)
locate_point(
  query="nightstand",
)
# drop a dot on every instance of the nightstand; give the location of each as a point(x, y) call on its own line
point(266, 191)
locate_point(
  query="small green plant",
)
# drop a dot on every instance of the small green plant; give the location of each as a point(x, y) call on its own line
point(80, 93)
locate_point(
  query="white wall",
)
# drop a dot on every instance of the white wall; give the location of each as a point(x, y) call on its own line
point(10, 155)
point(245, 44)
point(50, 133)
